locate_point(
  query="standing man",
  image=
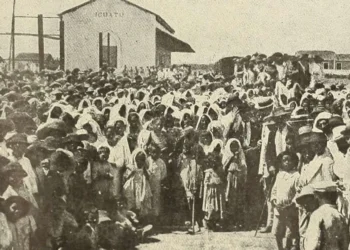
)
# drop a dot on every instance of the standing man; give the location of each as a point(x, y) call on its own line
point(327, 227)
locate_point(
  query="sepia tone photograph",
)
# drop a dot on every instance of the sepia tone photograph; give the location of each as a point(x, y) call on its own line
point(174, 124)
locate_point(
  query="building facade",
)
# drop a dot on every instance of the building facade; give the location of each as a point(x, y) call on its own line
point(119, 33)
point(333, 63)
point(30, 61)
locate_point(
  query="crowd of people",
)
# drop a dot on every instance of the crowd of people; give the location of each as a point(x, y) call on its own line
point(98, 160)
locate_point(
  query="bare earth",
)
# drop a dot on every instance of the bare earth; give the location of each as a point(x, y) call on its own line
point(210, 240)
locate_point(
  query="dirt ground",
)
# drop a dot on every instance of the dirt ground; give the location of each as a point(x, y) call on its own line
point(210, 240)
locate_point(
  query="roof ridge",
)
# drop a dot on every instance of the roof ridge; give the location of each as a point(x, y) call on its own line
point(159, 19)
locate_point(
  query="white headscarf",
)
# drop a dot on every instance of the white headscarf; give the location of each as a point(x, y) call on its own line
point(214, 144)
point(321, 116)
point(227, 153)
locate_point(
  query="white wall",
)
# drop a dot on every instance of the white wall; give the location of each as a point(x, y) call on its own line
point(131, 28)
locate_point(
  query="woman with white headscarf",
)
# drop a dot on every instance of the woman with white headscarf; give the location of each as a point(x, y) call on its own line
point(235, 167)
point(137, 189)
point(96, 138)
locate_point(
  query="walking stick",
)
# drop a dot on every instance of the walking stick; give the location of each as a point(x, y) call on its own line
point(265, 203)
point(194, 194)
point(193, 213)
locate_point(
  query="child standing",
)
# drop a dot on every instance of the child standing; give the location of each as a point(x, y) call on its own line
point(235, 169)
point(157, 172)
point(285, 223)
point(102, 177)
point(213, 194)
point(191, 173)
point(137, 189)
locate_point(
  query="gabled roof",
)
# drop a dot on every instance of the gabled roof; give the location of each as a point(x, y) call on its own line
point(159, 19)
point(33, 57)
point(343, 57)
point(325, 54)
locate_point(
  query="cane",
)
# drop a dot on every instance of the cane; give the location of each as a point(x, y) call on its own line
point(194, 193)
point(265, 203)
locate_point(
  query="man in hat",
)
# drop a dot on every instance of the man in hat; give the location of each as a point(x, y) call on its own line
point(327, 227)
point(320, 167)
point(18, 143)
point(307, 205)
point(20, 221)
point(5, 127)
point(13, 178)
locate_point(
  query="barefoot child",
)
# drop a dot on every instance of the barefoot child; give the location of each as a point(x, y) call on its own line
point(285, 223)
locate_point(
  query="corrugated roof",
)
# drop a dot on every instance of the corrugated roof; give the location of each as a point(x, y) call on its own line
point(31, 57)
point(158, 18)
point(325, 54)
point(343, 57)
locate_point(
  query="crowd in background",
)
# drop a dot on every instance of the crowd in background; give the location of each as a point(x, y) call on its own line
point(98, 160)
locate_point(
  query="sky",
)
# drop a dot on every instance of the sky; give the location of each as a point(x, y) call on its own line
point(214, 28)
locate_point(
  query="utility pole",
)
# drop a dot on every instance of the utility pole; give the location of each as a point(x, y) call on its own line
point(13, 35)
point(61, 44)
point(108, 48)
point(100, 48)
point(41, 42)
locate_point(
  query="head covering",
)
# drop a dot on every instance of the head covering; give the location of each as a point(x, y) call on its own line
point(183, 113)
point(227, 153)
point(305, 191)
point(325, 186)
point(17, 138)
point(133, 164)
point(13, 167)
point(214, 144)
point(321, 116)
point(337, 132)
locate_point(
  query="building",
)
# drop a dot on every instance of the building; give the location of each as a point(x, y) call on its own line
point(333, 63)
point(119, 33)
point(30, 61)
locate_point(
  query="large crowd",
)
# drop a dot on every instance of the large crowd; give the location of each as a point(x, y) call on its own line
point(100, 160)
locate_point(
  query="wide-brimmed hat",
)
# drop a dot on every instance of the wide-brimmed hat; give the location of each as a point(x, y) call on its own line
point(6, 125)
point(335, 121)
point(325, 186)
point(75, 138)
point(337, 132)
point(277, 113)
point(346, 131)
point(49, 144)
point(263, 103)
point(305, 191)
point(61, 160)
point(57, 127)
point(13, 167)
point(17, 138)
point(312, 137)
point(22, 120)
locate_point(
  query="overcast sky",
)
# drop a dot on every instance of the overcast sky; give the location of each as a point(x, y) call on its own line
point(214, 28)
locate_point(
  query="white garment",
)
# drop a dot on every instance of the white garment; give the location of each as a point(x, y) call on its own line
point(319, 169)
point(284, 189)
point(30, 180)
point(280, 140)
point(4, 151)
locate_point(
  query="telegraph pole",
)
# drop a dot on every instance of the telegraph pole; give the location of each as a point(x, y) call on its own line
point(41, 42)
point(100, 44)
point(108, 48)
point(13, 35)
point(61, 44)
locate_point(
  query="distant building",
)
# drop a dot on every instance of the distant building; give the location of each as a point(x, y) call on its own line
point(332, 61)
point(30, 61)
point(119, 33)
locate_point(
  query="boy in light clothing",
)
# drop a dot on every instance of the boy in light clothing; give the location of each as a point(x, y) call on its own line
point(285, 223)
